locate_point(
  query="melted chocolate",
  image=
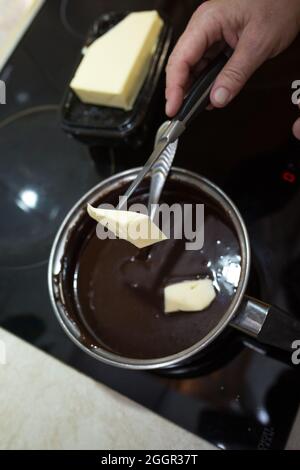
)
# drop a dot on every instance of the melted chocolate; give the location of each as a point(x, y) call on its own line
point(118, 290)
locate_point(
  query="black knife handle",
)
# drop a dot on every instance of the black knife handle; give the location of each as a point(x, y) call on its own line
point(197, 98)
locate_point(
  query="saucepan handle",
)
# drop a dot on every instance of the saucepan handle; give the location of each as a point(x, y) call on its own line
point(268, 324)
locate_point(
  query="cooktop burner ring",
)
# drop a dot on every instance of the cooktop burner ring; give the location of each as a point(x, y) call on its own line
point(63, 12)
point(38, 161)
point(75, 19)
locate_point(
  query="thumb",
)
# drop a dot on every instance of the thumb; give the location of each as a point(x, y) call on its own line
point(247, 57)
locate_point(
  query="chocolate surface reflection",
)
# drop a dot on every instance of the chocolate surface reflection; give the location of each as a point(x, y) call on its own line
point(119, 290)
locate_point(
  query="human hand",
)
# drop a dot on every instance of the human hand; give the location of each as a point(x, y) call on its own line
point(256, 30)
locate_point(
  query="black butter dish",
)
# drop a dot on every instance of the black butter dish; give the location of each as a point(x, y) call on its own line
point(107, 126)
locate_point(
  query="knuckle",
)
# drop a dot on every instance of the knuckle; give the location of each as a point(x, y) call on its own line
point(210, 19)
point(257, 41)
point(172, 63)
point(171, 60)
point(168, 66)
point(237, 76)
point(205, 8)
point(254, 43)
point(207, 11)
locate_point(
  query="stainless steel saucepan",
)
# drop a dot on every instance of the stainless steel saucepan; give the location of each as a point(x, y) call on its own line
point(266, 323)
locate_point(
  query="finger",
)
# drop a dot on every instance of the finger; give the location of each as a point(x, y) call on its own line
point(296, 129)
point(190, 48)
point(247, 57)
point(175, 96)
point(193, 75)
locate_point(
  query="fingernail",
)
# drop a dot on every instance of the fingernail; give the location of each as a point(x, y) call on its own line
point(221, 96)
point(167, 108)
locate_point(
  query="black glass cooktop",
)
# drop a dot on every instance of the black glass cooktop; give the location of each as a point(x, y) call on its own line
point(236, 396)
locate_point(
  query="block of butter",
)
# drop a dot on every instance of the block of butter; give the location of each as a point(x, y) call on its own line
point(134, 227)
point(189, 296)
point(115, 66)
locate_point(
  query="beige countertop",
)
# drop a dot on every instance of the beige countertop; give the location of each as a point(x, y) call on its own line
point(16, 16)
point(45, 404)
point(294, 439)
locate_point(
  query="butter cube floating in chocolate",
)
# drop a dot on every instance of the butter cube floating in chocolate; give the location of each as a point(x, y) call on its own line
point(134, 227)
point(189, 296)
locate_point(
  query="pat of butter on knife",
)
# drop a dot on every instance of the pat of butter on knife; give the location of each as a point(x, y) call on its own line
point(134, 227)
point(189, 296)
point(116, 64)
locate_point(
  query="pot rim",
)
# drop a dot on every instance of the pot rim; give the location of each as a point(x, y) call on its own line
point(73, 217)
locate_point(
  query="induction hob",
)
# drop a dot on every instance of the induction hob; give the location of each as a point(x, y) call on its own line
point(237, 396)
